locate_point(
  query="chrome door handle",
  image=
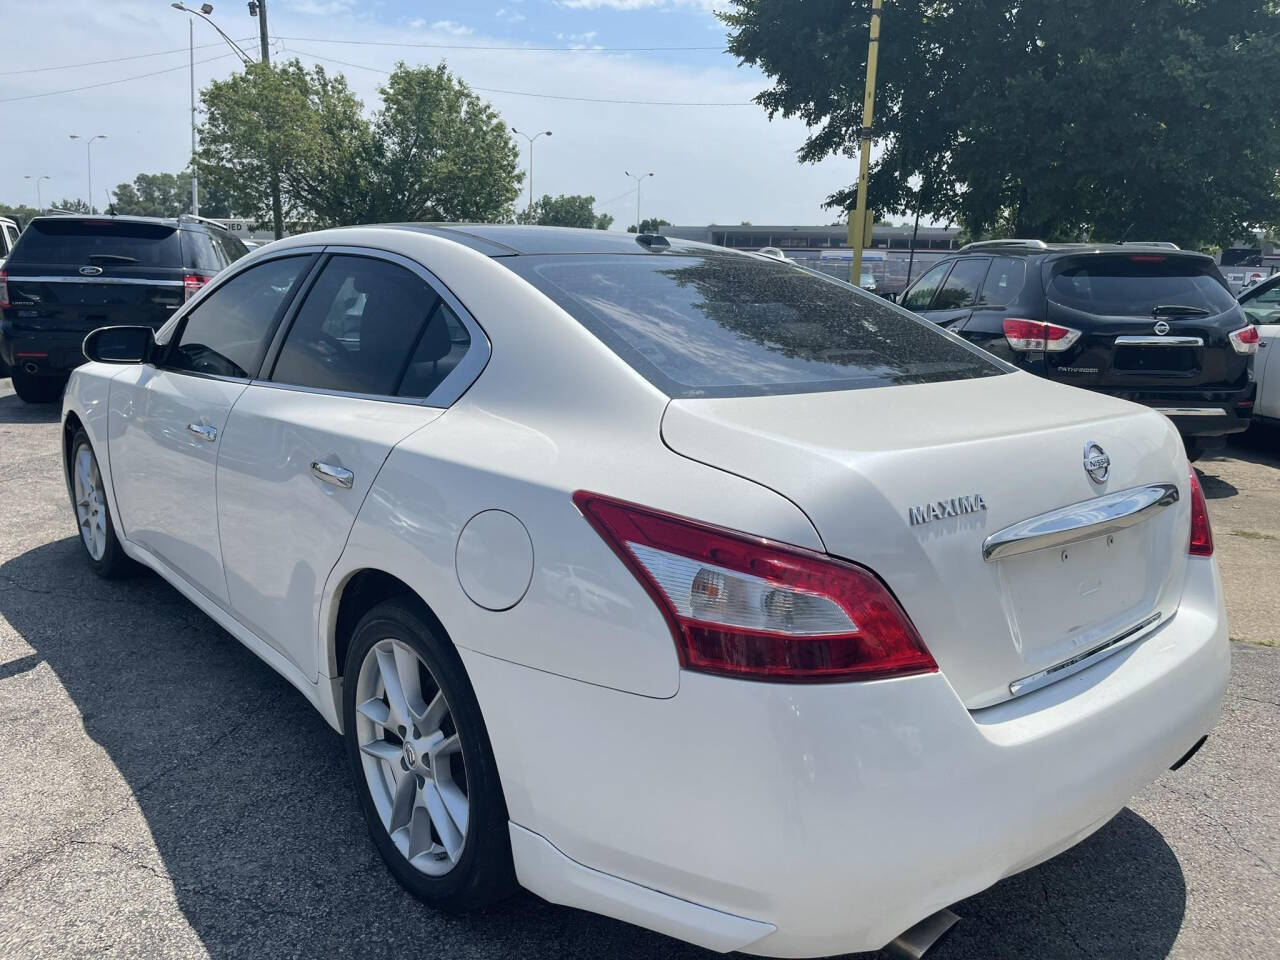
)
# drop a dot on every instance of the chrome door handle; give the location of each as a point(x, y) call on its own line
point(203, 432)
point(338, 476)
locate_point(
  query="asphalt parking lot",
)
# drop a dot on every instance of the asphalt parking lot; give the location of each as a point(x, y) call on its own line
point(164, 794)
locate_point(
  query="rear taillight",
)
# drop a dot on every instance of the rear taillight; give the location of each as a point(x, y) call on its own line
point(747, 607)
point(1034, 335)
point(1201, 535)
point(4, 289)
point(1245, 340)
point(191, 285)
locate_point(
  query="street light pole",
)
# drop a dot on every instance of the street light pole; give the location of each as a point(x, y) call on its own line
point(258, 8)
point(39, 200)
point(544, 133)
point(88, 152)
point(637, 179)
point(195, 173)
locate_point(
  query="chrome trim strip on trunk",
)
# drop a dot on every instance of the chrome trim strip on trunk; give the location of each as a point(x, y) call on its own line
point(1080, 521)
point(1060, 671)
point(1192, 411)
point(137, 281)
point(1159, 342)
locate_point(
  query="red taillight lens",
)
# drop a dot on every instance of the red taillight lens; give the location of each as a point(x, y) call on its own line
point(747, 607)
point(4, 289)
point(191, 285)
point(1034, 335)
point(1245, 340)
point(1201, 535)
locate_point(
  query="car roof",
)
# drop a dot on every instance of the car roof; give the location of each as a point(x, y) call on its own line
point(509, 239)
point(183, 222)
point(1041, 248)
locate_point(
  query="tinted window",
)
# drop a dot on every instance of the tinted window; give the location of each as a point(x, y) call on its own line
point(442, 344)
point(201, 254)
point(1133, 286)
point(232, 246)
point(1004, 282)
point(74, 241)
point(227, 334)
point(961, 287)
point(727, 326)
point(922, 293)
point(357, 328)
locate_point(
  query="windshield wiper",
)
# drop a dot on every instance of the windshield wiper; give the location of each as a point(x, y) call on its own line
point(1178, 310)
point(112, 258)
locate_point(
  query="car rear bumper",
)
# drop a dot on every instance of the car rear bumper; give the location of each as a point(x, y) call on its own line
point(41, 352)
point(810, 820)
point(1201, 413)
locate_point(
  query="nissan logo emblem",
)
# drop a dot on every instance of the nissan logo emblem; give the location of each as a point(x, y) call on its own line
point(1162, 327)
point(1096, 463)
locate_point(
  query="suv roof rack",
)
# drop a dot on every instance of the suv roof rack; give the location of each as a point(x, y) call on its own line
point(193, 218)
point(995, 244)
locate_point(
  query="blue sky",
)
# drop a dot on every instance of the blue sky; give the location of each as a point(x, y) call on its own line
point(721, 163)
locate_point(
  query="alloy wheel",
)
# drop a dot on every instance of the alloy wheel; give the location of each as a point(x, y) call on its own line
point(91, 502)
point(412, 757)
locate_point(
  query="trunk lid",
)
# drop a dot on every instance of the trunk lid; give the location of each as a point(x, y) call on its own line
point(1149, 320)
point(859, 462)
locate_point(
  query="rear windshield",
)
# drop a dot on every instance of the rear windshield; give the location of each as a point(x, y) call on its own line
point(101, 242)
point(730, 326)
point(1134, 285)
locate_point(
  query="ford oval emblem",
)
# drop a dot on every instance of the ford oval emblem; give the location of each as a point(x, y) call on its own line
point(90, 271)
point(1162, 327)
point(1096, 463)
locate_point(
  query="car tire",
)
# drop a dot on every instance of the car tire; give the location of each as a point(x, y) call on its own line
point(446, 864)
point(37, 389)
point(89, 502)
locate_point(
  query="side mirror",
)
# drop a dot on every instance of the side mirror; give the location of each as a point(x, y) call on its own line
point(120, 344)
point(893, 296)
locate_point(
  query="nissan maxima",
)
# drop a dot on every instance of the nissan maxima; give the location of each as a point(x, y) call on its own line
point(681, 585)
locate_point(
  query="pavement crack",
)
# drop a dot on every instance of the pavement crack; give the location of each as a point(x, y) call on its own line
point(1066, 929)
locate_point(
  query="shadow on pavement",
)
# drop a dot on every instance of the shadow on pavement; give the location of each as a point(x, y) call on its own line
point(246, 795)
point(13, 410)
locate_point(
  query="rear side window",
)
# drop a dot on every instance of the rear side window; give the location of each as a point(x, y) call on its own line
point(1005, 280)
point(226, 335)
point(201, 252)
point(443, 343)
point(731, 326)
point(1134, 285)
point(961, 288)
point(921, 295)
point(358, 328)
point(71, 241)
point(232, 246)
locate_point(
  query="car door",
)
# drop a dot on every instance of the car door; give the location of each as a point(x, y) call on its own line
point(353, 374)
point(919, 296)
point(1268, 400)
point(167, 419)
point(955, 299)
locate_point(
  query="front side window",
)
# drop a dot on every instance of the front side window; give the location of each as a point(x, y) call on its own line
point(961, 288)
point(227, 333)
point(699, 325)
point(921, 295)
point(358, 328)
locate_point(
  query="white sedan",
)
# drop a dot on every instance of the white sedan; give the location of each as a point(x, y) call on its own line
point(667, 582)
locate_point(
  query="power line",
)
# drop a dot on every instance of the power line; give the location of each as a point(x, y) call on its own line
point(107, 83)
point(512, 49)
point(545, 96)
point(95, 63)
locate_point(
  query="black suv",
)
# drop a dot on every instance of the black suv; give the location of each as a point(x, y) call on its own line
point(68, 275)
point(1148, 323)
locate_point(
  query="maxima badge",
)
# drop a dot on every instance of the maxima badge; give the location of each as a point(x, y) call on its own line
point(938, 509)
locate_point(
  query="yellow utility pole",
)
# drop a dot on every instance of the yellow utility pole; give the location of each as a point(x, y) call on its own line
point(858, 219)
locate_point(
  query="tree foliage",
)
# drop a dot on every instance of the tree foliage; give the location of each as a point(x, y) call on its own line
point(566, 210)
point(650, 225)
point(433, 151)
point(168, 195)
point(1038, 117)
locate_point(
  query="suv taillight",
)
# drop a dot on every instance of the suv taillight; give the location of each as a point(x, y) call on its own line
point(191, 285)
point(4, 289)
point(1245, 340)
point(1035, 335)
point(1201, 535)
point(747, 607)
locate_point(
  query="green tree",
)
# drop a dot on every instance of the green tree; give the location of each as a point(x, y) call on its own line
point(21, 213)
point(650, 225)
point(433, 151)
point(68, 205)
point(1037, 117)
point(566, 210)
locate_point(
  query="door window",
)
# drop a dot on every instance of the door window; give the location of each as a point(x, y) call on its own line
point(227, 334)
point(922, 293)
point(358, 329)
point(443, 344)
point(961, 288)
point(1004, 281)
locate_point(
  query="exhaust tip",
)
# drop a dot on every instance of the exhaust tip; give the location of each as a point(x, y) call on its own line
point(914, 943)
point(30, 367)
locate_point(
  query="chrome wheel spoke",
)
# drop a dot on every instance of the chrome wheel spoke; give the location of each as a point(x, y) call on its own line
point(397, 703)
point(382, 750)
point(402, 811)
point(433, 714)
point(447, 829)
